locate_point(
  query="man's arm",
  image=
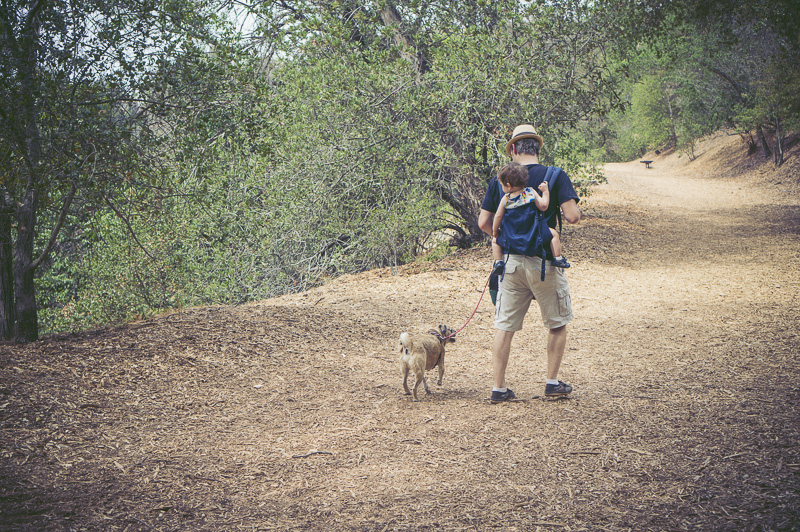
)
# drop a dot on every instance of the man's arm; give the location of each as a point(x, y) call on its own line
point(485, 219)
point(571, 211)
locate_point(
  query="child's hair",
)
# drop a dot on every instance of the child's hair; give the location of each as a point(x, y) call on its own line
point(513, 175)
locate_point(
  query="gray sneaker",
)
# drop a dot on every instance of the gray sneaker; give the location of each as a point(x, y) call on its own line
point(557, 390)
point(499, 397)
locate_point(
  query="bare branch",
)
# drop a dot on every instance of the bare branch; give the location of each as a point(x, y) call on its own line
point(56, 229)
point(128, 224)
point(736, 88)
point(35, 8)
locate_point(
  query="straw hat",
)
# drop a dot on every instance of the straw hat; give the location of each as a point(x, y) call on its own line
point(524, 131)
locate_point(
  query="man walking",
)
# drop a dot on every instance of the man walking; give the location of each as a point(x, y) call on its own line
point(521, 282)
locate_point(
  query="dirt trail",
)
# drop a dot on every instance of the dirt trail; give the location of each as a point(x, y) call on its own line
point(288, 414)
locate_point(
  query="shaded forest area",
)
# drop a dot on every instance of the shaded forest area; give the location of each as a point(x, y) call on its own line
point(160, 156)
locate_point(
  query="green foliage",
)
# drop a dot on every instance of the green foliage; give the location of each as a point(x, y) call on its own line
point(576, 155)
point(343, 136)
point(703, 66)
point(80, 127)
point(343, 141)
point(439, 251)
point(651, 117)
point(437, 112)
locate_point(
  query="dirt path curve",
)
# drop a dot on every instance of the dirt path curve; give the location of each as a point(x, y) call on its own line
point(288, 414)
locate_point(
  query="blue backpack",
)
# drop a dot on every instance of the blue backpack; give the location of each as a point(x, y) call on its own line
point(531, 234)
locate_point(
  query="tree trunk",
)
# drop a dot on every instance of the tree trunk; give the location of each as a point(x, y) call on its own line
point(8, 309)
point(673, 134)
point(778, 153)
point(27, 329)
point(457, 195)
point(27, 326)
point(474, 233)
point(391, 18)
point(762, 139)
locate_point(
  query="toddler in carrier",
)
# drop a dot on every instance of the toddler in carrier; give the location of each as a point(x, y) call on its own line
point(514, 178)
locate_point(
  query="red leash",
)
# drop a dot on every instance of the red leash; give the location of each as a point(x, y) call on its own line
point(473, 312)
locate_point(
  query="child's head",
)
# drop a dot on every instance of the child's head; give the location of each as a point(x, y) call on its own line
point(513, 176)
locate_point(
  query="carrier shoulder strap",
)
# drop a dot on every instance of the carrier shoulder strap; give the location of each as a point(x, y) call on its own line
point(551, 172)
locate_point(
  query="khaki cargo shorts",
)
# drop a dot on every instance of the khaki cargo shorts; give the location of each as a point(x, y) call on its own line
point(522, 284)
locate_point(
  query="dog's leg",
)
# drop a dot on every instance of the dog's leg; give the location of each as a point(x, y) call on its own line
point(416, 385)
point(441, 370)
point(405, 379)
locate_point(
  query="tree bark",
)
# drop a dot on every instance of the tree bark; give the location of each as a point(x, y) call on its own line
point(8, 308)
point(391, 18)
point(762, 139)
point(27, 325)
point(778, 143)
point(673, 134)
point(468, 207)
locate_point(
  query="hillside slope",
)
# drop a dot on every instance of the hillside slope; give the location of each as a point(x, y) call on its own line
point(288, 414)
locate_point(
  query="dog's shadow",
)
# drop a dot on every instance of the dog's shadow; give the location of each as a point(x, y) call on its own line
point(443, 396)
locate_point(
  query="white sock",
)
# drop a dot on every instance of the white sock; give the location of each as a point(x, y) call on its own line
point(552, 381)
point(501, 390)
point(559, 257)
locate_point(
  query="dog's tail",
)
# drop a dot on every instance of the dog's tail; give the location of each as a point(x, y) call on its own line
point(404, 341)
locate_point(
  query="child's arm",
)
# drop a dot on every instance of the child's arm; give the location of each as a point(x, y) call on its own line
point(498, 216)
point(543, 201)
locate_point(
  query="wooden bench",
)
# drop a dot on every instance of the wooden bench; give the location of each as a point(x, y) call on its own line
point(646, 163)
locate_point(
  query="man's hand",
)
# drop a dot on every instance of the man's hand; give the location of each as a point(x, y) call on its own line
point(498, 268)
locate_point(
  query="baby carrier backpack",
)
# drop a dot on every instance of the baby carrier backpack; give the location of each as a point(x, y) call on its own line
point(524, 230)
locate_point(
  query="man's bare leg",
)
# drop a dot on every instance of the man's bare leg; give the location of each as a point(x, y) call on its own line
point(500, 353)
point(556, 344)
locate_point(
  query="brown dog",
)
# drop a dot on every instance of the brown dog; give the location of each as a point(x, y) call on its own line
point(422, 352)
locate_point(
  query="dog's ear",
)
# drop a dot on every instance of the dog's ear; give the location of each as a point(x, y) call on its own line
point(447, 334)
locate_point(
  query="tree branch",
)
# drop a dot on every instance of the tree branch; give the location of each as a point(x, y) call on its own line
point(54, 233)
point(736, 88)
point(7, 26)
point(391, 18)
point(128, 224)
point(457, 228)
point(37, 6)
